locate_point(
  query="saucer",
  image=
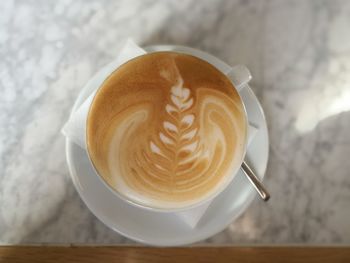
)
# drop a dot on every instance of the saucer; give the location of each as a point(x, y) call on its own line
point(164, 229)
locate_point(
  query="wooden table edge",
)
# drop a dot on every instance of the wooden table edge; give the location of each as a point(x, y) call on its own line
point(93, 253)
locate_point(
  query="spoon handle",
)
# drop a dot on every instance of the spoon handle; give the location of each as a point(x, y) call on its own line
point(259, 187)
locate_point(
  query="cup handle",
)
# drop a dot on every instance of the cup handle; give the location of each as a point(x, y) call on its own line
point(240, 75)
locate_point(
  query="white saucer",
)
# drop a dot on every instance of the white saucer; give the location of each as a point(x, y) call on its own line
point(163, 229)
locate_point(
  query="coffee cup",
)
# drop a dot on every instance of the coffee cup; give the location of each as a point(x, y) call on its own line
point(167, 131)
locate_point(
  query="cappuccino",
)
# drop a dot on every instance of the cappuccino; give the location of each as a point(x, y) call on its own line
point(166, 130)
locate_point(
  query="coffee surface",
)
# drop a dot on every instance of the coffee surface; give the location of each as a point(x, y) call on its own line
point(166, 130)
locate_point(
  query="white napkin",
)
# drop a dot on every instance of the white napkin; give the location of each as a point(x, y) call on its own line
point(75, 128)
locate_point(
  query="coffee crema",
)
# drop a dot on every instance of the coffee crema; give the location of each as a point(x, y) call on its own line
point(166, 130)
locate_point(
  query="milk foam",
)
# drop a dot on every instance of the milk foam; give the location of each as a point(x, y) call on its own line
point(175, 144)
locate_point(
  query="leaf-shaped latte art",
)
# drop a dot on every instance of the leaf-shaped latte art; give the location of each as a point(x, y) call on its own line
point(174, 137)
point(178, 139)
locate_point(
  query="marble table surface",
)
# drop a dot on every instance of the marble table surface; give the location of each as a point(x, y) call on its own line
point(297, 51)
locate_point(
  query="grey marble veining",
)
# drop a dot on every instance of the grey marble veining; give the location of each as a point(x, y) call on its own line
point(297, 51)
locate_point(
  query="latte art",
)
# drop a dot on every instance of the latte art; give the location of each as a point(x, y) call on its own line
point(166, 130)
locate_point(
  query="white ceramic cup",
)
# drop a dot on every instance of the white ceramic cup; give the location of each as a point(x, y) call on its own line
point(239, 75)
